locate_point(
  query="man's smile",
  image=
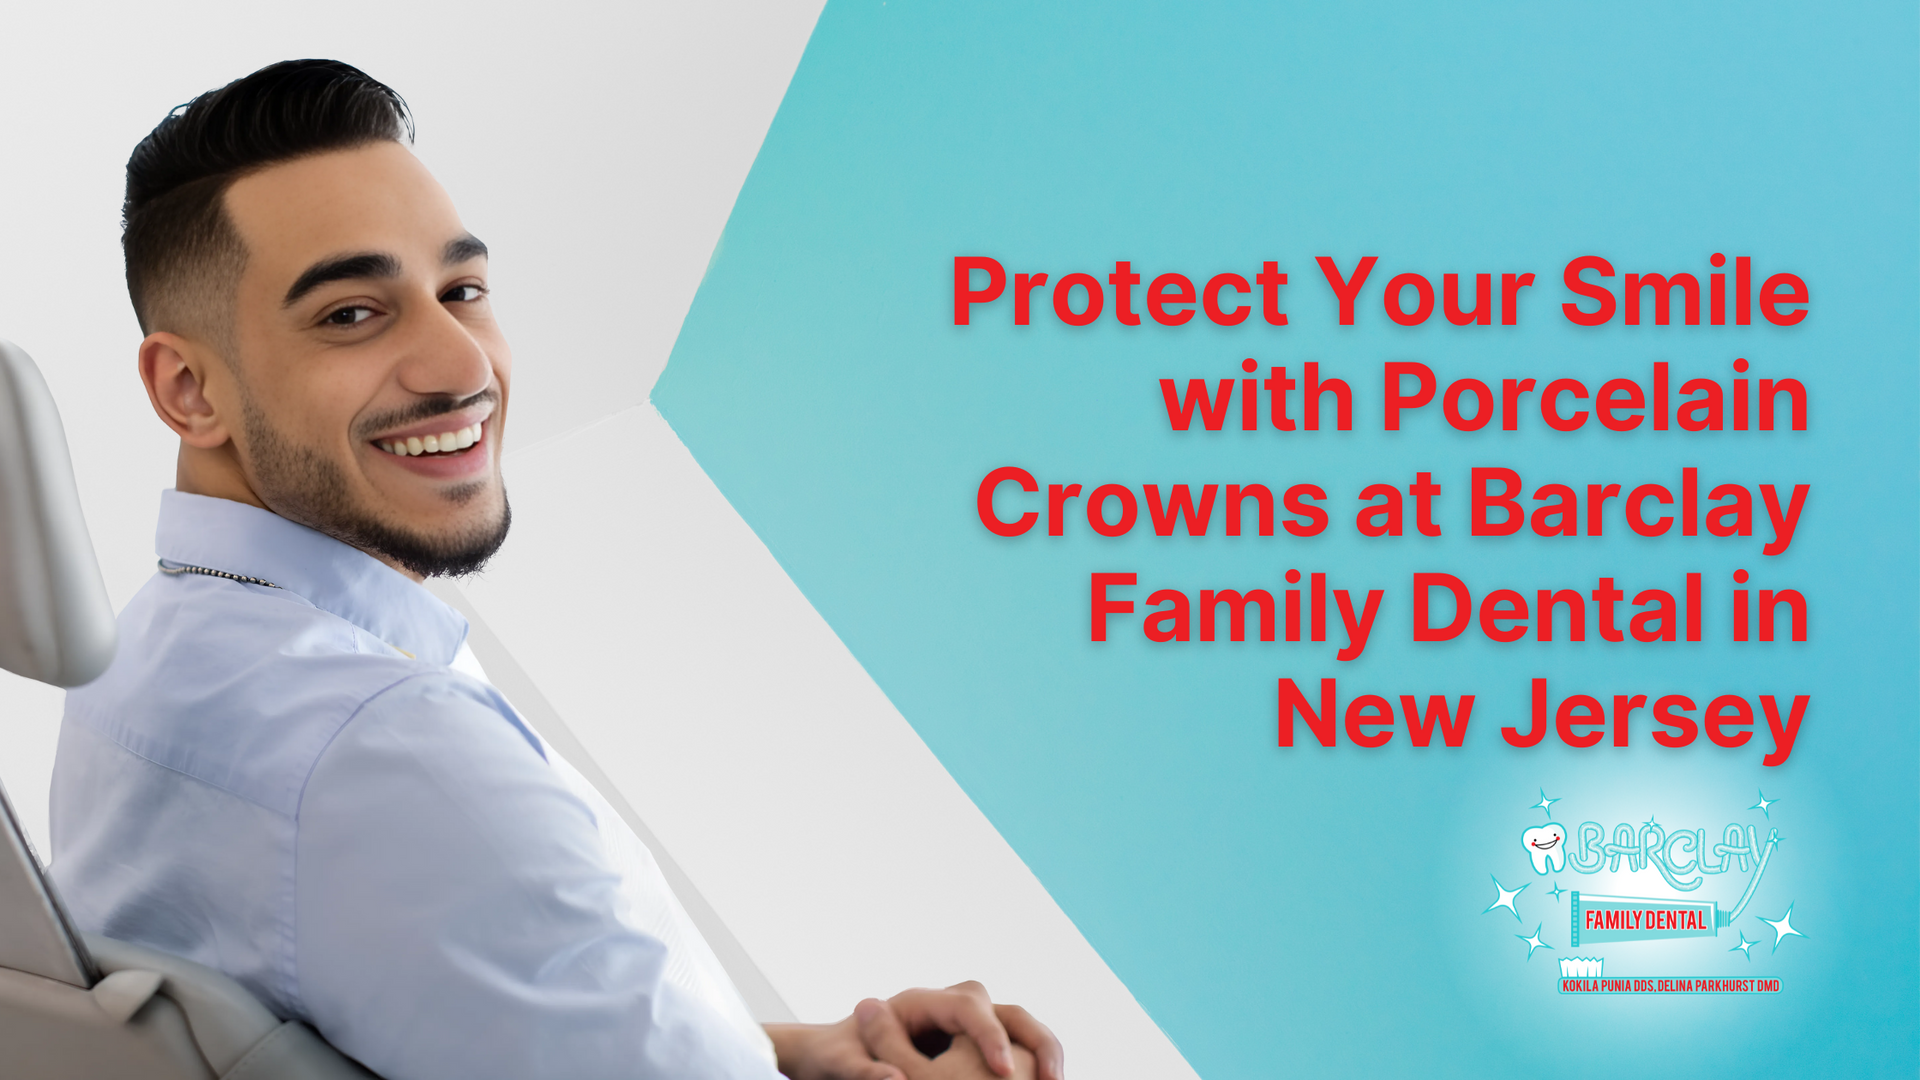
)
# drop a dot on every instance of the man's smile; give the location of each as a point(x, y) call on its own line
point(452, 447)
point(444, 442)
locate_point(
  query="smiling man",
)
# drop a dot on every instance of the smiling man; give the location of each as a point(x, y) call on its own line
point(294, 771)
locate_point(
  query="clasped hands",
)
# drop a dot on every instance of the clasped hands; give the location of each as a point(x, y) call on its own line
point(952, 1034)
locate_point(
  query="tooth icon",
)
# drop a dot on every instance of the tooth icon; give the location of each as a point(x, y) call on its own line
point(1546, 846)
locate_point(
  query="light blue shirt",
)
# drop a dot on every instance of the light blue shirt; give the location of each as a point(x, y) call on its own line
point(295, 786)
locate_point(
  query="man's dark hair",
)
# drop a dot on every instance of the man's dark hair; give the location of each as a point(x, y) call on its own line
point(184, 257)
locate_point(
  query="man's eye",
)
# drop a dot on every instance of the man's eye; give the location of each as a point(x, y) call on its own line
point(461, 294)
point(348, 316)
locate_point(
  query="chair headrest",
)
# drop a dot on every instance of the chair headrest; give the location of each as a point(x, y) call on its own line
point(55, 622)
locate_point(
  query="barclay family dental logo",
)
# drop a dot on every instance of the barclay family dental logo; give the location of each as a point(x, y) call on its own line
point(1733, 859)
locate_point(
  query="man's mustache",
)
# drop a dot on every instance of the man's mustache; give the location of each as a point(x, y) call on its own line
point(426, 409)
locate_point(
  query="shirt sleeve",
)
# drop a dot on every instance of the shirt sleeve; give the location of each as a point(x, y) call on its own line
point(457, 914)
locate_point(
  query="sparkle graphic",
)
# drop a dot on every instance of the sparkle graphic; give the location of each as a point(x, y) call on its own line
point(1505, 899)
point(1650, 821)
point(1782, 928)
point(1545, 804)
point(1763, 804)
point(1745, 947)
point(1556, 891)
point(1534, 941)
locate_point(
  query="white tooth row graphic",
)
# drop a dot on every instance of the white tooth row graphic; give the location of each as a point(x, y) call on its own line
point(1582, 967)
point(1546, 846)
point(444, 443)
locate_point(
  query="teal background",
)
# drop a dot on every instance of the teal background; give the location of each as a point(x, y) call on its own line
point(1320, 911)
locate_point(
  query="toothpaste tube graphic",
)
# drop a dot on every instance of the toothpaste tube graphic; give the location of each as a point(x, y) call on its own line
point(1600, 919)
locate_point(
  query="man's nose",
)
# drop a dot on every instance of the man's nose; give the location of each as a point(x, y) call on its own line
point(442, 357)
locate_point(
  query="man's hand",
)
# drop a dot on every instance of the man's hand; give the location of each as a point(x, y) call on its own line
point(840, 1052)
point(961, 1060)
point(1004, 1038)
point(952, 1034)
point(827, 1052)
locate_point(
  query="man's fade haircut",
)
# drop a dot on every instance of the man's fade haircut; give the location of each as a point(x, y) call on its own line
point(184, 257)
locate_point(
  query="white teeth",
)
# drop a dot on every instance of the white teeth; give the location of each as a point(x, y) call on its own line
point(446, 442)
point(1546, 846)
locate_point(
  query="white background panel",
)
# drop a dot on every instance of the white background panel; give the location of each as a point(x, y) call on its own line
point(598, 150)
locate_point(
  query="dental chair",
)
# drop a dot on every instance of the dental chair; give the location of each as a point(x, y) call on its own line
point(77, 1005)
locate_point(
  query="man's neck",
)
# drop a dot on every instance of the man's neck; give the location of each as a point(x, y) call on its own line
point(215, 473)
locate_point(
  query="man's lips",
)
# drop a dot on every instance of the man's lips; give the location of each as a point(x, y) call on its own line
point(444, 452)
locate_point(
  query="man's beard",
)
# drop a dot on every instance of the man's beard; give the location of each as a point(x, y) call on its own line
point(300, 484)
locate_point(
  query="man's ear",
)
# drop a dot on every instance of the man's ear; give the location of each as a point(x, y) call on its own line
point(175, 371)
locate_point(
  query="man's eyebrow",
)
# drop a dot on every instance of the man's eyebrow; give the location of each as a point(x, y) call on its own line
point(371, 264)
point(466, 247)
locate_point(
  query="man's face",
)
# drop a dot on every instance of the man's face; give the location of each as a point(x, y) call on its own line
point(362, 335)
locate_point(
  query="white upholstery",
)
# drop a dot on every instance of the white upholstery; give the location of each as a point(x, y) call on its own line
point(55, 623)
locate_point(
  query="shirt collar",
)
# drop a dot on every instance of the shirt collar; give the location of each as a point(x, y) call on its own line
point(220, 534)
